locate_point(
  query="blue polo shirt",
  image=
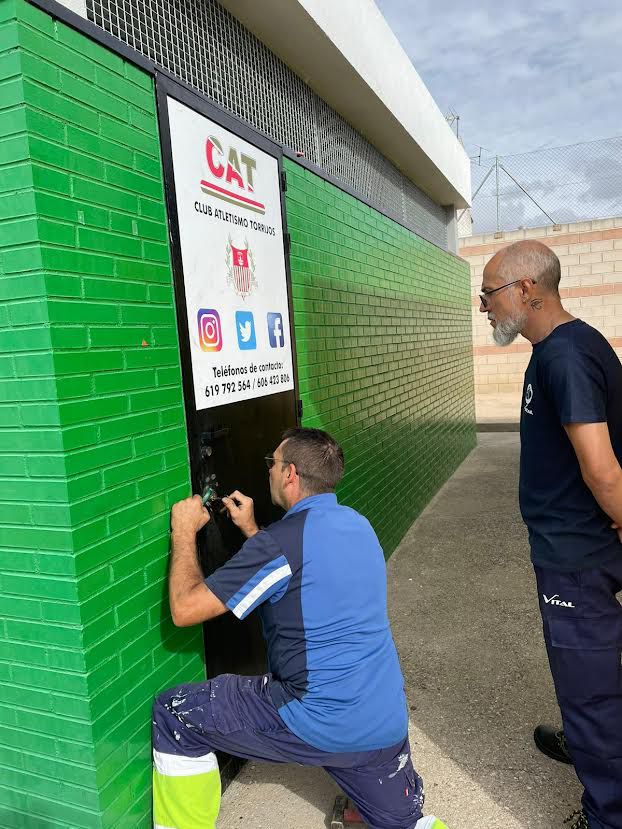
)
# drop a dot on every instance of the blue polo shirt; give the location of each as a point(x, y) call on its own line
point(574, 376)
point(318, 580)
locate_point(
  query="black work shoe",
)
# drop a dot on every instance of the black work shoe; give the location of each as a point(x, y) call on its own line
point(552, 743)
point(580, 820)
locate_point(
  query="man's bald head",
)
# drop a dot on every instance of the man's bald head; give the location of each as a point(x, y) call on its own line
point(528, 259)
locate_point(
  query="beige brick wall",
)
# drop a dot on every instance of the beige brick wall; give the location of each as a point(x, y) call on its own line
point(590, 254)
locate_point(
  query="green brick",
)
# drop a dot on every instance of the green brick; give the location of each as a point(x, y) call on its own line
point(20, 205)
point(138, 76)
point(160, 441)
point(137, 183)
point(82, 410)
point(102, 503)
point(152, 209)
point(100, 100)
point(55, 155)
point(64, 337)
point(121, 292)
point(19, 232)
point(145, 164)
point(37, 69)
point(13, 148)
point(9, 415)
point(97, 457)
point(130, 425)
point(91, 361)
point(108, 242)
point(12, 120)
point(155, 251)
point(97, 146)
point(55, 104)
point(141, 97)
point(129, 136)
point(45, 633)
point(21, 260)
point(56, 181)
point(78, 262)
point(8, 11)
point(149, 271)
point(154, 357)
point(55, 53)
point(104, 196)
point(16, 607)
point(12, 466)
point(128, 380)
point(103, 551)
point(59, 207)
point(36, 18)
point(78, 43)
point(147, 315)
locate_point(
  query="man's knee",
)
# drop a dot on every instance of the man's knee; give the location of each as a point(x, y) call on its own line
point(166, 721)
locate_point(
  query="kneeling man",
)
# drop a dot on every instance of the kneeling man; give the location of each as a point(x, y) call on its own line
point(334, 694)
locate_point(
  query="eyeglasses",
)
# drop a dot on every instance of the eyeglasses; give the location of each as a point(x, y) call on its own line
point(483, 297)
point(270, 461)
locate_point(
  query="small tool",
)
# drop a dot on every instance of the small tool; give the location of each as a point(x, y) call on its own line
point(212, 500)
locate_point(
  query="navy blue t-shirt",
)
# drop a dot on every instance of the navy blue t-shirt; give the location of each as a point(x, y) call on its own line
point(574, 376)
point(318, 581)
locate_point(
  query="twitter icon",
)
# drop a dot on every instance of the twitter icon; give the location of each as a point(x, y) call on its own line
point(245, 329)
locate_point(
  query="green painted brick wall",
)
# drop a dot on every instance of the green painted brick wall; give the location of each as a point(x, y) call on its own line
point(93, 446)
point(384, 350)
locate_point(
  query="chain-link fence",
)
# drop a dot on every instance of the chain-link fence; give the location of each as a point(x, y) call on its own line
point(551, 186)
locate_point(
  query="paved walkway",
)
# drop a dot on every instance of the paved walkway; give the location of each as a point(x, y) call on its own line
point(466, 624)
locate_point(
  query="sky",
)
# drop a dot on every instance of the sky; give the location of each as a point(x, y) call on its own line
point(534, 75)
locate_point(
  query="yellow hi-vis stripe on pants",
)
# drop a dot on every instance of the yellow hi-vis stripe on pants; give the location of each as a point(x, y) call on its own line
point(186, 791)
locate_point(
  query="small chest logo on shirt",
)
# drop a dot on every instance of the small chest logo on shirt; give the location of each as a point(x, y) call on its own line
point(556, 601)
point(528, 399)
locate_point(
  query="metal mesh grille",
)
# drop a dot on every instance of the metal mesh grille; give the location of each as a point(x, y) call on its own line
point(201, 43)
point(573, 183)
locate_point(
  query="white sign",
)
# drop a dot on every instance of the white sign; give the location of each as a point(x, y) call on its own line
point(229, 210)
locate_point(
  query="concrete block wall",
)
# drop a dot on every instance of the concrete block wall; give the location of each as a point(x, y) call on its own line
point(590, 254)
point(383, 338)
point(92, 434)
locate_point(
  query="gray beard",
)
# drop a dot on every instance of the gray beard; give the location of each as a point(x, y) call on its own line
point(504, 333)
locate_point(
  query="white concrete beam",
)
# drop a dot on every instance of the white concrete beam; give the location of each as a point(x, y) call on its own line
point(347, 53)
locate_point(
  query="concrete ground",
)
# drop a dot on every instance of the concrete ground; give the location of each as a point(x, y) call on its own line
point(466, 624)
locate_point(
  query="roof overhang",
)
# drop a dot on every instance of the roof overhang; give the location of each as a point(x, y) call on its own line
point(347, 53)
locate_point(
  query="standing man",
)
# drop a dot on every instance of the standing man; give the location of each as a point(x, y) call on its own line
point(334, 694)
point(571, 501)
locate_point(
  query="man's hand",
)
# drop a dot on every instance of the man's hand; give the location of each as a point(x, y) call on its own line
point(619, 529)
point(240, 509)
point(189, 516)
point(191, 601)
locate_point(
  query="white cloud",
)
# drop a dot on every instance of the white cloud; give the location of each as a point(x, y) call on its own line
point(543, 75)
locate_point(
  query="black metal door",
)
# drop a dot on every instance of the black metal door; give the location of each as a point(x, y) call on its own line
point(233, 441)
point(227, 444)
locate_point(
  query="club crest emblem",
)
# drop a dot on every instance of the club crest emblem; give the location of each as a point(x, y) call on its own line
point(240, 269)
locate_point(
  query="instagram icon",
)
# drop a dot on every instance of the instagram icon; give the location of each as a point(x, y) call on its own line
point(210, 333)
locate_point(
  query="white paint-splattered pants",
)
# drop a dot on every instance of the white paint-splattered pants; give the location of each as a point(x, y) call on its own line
point(236, 715)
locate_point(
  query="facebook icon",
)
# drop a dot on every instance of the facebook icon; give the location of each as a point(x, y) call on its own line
point(276, 334)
